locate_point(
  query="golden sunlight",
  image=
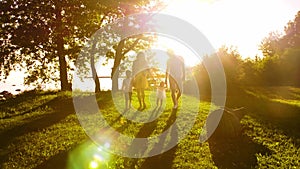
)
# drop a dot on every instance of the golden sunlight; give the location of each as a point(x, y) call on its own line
point(242, 24)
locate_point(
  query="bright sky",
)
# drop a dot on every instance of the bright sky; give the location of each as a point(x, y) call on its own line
point(239, 23)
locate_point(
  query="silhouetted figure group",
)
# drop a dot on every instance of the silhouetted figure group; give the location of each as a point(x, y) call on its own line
point(175, 74)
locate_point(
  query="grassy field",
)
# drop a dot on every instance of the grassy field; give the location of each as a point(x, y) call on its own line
point(41, 130)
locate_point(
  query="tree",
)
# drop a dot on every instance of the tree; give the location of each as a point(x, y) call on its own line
point(290, 67)
point(232, 62)
point(271, 45)
point(45, 33)
point(45, 36)
point(278, 67)
point(111, 43)
point(123, 46)
point(134, 43)
point(250, 74)
point(232, 65)
point(292, 33)
point(202, 78)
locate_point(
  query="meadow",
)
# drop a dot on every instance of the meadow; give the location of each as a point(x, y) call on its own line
point(40, 129)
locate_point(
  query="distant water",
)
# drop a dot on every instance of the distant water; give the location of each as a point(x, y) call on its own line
point(105, 84)
point(15, 81)
point(12, 88)
point(89, 85)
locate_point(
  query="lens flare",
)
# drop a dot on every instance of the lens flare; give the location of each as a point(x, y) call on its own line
point(93, 165)
point(98, 157)
point(89, 155)
point(107, 145)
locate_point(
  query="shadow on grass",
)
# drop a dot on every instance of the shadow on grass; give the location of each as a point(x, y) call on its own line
point(79, 157)
point(164, 160)
point(44, 105)
point(282, 116)
point(83, 154)
point(236, 153)
point(58, 161)
point(28, 95)
point(23, 103)
point(145, 131)
point(61, 111)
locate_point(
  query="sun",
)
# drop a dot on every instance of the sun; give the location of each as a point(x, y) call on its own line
point(242, 24)
point(163, 44)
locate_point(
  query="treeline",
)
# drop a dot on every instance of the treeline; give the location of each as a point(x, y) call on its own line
point(280, 64)
point(46, 38)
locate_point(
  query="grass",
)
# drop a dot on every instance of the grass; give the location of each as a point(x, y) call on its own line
point(42, 130)
point(283, 94)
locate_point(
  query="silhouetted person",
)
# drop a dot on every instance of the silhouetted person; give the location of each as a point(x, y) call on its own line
point(176, 74)
point(160, 95)
point(127, 89)
point(140, 72)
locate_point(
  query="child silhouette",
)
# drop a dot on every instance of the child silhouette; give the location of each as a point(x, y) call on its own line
point(160, 94)
point(127, 89)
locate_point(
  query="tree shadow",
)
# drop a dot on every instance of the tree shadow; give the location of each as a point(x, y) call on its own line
point(28, 95)
point(144, 132)
point(63, 159)
point(78, 157)
point(236, 153)
point(58, 161)
point(281, 116)
point(62, 107)
point(28, 111)
point(164, 160)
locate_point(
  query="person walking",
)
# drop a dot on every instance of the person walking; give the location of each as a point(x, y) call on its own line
point(140, 70)
point(127, 89)
point(175, 73)
point(160, 95)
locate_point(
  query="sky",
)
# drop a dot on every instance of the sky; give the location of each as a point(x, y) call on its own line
point(238, 23)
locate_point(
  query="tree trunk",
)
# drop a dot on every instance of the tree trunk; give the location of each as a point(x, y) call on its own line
point(115, 77)
point(94, 74)
point(65, 86)
point(115, 69)
point(118, 57)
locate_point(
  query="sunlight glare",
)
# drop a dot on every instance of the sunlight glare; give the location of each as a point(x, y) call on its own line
point(234, 22)
point(100, 148)
point(88, 155)
point(93, 165)
point(165, 43)
point(98, 157)
point(107, 145)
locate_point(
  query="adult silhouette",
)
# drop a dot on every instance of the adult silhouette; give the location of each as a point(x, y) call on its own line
point(140, 70)
point(175, 72)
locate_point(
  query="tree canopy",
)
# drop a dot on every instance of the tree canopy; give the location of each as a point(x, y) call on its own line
point(45, 37)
